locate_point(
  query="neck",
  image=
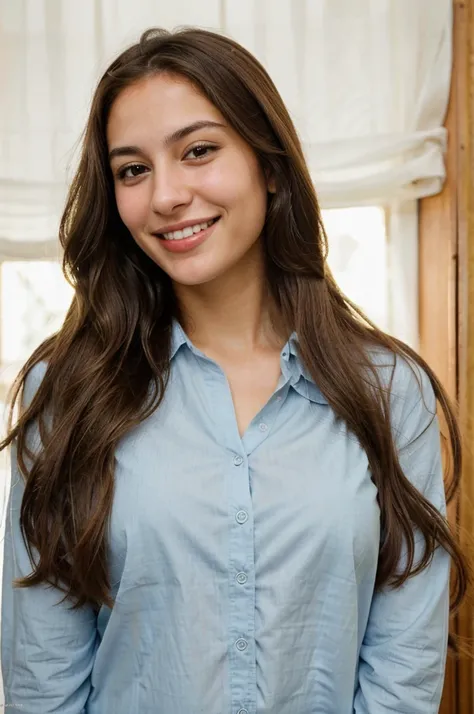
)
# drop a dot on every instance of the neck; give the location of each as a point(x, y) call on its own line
point(232, 314)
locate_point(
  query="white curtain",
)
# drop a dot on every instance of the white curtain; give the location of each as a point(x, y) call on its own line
point(366, 82)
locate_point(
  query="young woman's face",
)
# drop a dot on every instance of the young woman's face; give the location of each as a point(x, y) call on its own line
point(177, 166)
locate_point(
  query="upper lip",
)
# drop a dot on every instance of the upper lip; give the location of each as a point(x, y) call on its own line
point(184, 224)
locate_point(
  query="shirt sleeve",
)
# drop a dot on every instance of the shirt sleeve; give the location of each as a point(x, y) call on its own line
point(403, 653)
point(47, 648)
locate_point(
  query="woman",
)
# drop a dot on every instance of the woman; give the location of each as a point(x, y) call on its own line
point(230, 474)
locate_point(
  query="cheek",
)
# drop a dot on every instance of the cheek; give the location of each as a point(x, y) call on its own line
point(234, 183)
point(253, 201)
point(132, 206)
point(252, 191)
point(245, 198)
point(216, 185)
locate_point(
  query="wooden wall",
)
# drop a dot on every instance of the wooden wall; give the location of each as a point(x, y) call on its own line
point(447, 308)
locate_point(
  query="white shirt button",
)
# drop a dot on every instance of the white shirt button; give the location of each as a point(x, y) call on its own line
point(238, 461)
point(241, 517)
point(241, 644)
point(241, 578)
point(243, 711)
point(263, 427)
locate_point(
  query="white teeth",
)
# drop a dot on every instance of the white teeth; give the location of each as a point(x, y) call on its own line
point(187, 232)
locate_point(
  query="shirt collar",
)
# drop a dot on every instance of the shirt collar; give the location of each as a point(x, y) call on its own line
point(178, 338)
point(301, 379)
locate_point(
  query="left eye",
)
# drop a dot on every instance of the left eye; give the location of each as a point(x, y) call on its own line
point(201, 150)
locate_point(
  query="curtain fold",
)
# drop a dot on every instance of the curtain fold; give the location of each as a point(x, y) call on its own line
point(366, 82)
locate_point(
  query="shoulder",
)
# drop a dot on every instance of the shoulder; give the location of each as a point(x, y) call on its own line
point(412, 399)
point(415, 425)
point(32, 382)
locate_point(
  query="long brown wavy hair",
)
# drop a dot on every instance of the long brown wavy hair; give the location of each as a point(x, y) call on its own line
point(115, 340)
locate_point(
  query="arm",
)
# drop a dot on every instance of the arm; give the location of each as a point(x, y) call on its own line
point(403, 654)
point(47, 649)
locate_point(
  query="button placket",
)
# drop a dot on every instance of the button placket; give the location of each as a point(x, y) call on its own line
point(261, 429)
point(241, 626)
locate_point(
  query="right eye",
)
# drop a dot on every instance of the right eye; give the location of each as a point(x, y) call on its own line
point(135, 169)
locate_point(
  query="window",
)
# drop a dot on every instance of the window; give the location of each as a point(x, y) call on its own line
point(358, 258)
point(34, 297)
point(33, 302)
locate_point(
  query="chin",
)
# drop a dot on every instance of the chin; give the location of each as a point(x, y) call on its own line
point(193, 280)
point(196, 277)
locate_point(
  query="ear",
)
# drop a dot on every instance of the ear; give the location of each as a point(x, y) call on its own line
point(271, 185)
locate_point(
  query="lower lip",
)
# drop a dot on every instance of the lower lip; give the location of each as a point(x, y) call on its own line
point(185, 244)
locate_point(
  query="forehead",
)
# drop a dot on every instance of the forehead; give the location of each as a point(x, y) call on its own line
point(160, 103)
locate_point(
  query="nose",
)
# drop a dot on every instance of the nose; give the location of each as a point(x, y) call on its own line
point(170, 190)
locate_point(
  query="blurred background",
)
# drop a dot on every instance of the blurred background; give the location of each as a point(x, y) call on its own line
point(382, 95)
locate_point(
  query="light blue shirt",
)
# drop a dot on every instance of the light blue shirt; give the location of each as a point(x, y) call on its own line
point(243, 568)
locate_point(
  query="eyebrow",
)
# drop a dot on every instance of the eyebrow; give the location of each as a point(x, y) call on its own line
point(170, 139)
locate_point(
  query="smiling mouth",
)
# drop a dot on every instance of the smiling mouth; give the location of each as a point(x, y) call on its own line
point(189, 232)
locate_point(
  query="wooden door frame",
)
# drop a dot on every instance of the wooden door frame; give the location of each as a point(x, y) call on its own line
point(446, 307)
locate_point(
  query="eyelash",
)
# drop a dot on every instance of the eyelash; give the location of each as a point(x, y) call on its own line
point(121, 174)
